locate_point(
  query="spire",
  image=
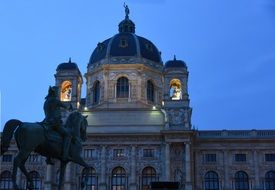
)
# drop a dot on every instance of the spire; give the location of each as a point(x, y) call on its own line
point(126, 25)
point(70, 61)
point(175, 57)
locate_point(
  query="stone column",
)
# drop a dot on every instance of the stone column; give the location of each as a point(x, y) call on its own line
point(48, 184)
point(133, 181)
point(167, 162)
point(256, 169)
point(67, 177)
point(102, 177)
point(226, 175)
point(188, 182)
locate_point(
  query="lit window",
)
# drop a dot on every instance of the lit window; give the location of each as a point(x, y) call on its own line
point(122, 87)
point(148, 153)
point(241, 181)
point(7, 158)
point(90, 153)
point(210, 157)
point(89, 177)
point(270, 157)
point(119, 153)
point(175, 89)
point(150, 91)
point(119, 179)
point(148, 176)
point(240, 157)
point(211, 181)
point(66, 91)
point(96, 92)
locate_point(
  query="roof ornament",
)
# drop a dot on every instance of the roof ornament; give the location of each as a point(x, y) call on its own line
point(127, 11)
point(175, 57)
point(70, 61)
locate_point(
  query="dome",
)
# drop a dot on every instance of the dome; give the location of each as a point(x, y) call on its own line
point(67, 66)
point(126, 44)
point(175, 64)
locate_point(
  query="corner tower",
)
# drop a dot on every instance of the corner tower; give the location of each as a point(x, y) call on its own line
point(176, 98)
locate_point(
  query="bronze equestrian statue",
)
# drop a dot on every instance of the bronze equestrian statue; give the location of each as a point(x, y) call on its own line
point(53, 119)
point(46, 139)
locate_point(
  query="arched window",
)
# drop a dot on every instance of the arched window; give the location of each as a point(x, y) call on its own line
point(5, 180)
point(148, 176)
point(175, 89)
point(66, 91)
point(270, 180)
point(122, 88)
point(90, 178)
point(241, 181)
point(211, 181)
point(150, 91)
point(118, 179)
point(36, 180)
point(96, 92)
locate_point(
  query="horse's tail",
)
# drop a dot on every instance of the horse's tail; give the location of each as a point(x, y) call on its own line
point(7, 134)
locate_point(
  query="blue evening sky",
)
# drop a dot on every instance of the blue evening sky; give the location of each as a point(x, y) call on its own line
point(228, 45)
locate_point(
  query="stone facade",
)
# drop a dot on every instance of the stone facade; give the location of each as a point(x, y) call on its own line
point(140, 129)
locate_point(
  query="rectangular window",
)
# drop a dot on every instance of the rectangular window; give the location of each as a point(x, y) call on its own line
point(89, 153)
point(270, 157)
point(7, 158)
point(210, 157)
point(119, 153)
point(240, 157)
point(148, 153)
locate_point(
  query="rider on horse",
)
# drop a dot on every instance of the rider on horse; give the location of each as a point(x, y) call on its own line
point(53, 119)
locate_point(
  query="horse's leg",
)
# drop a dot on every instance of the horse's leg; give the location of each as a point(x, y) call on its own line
point(61, 174)
point(19, 158)
point(26, 173)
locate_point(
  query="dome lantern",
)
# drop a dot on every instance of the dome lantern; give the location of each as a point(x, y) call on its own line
point(126, 25)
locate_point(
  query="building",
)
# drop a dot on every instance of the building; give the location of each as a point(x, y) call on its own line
point(140, 128)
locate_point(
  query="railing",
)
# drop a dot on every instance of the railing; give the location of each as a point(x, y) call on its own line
point(236, 134)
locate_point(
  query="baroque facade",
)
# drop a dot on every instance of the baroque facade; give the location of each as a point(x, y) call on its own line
point(140, 128)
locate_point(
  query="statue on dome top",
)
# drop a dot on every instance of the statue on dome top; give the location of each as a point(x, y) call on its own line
point(127, 10)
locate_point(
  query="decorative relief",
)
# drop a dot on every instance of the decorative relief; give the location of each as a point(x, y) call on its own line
point(176, 116)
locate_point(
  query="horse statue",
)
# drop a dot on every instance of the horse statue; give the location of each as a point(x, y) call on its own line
point(46, 142)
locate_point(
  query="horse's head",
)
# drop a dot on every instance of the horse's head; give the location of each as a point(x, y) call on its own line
point(78, 124)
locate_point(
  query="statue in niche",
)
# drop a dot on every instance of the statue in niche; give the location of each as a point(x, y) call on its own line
point(175, 89)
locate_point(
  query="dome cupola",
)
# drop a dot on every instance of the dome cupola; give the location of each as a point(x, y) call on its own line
point(175, 63)
point(126, 48)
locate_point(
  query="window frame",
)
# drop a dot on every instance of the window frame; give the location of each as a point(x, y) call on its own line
point(122, 87)
point(211, 181)
point(150, 90)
